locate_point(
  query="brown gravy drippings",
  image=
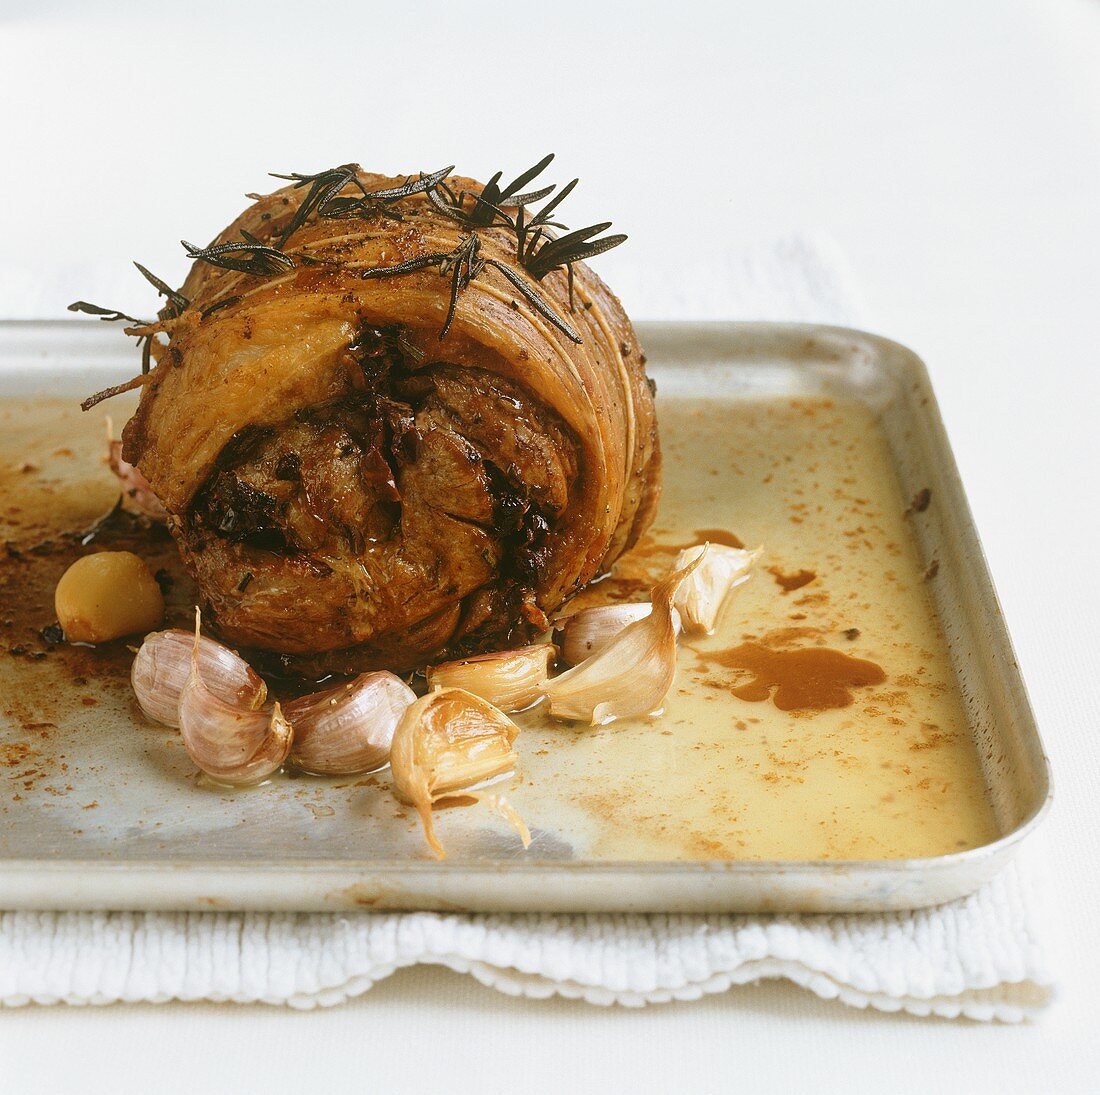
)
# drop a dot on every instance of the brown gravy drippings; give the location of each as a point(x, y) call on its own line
point(811, 679)
point(791, 582)
point(717, 536)
point(453, 801)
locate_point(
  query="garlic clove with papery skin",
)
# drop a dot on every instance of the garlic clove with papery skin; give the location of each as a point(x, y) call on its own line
point(232, 744)
point(447, 741)
point(702, 593)
point(587, 632)
point(511, 680)
point(632, 674)
point(348, 729)
point(163, 664)
point(137, 494)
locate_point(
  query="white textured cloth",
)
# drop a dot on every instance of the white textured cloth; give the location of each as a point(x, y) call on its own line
point(978, 958)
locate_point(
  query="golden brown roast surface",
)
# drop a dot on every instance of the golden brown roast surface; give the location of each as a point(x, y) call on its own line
point(352, 491)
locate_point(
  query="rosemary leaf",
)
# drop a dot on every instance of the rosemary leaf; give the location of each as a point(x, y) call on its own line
point(107, 314)
point(246, 257)
point(404, 267)
point(539, 303)
point(177, 302)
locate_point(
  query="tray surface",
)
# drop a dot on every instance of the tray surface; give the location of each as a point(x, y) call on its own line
point(816, 443)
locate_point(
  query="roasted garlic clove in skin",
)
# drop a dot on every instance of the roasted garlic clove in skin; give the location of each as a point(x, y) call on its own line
point(632, 674)
point(231, 743)
point(137, 494)
point(587, 632)
point(349, 728)
point(512, 680)
point(701, 594)
point(163, 664)
point(447, 741)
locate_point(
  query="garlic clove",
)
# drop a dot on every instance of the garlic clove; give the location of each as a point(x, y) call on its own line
point(137, 494)
point(510, 679)
point(349, 728)
point(702, 593)
point(107, 595)
point(632, 674)
point(587, 632)
point(446, 741)
point(230, 743)
point(163, 664)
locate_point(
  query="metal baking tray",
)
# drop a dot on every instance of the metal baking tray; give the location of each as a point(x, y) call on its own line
point(101, 811)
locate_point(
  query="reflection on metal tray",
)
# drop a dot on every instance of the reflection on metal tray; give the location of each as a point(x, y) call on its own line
point(823, 445)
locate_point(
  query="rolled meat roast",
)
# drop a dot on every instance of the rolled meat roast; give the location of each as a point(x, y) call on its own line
point(350, 490)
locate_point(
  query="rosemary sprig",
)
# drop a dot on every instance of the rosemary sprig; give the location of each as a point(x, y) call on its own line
point(176, 304)
point(324, 195)
point(462, 265)
point(109, 315)
point(246, 256)
point(537, 301)
point(539, 249)
point(555, 252)
point(378, 201)
point(489, 206)
point(323, 187)
point(492, 198)
point(530, 231)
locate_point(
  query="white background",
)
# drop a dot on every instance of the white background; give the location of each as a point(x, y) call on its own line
point(953, 150)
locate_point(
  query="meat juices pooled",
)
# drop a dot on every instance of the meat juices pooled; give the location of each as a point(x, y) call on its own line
point(350, 491)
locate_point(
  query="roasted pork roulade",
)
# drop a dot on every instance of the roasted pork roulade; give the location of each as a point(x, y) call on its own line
point(395, 420)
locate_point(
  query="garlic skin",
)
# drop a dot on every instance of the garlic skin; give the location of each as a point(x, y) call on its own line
point(500, 805)
point(137, 494)
point(348, 729)
point(446, 741)
point(700, 596)
point(511, 680)
point(231, 744)
point(632, 674)
point(163, 664)
point(587, 632)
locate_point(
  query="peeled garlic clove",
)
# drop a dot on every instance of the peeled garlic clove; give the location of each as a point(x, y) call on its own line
point(163, 664)
point(587, 632)
point(349, 728)
point(700, 595)
point(632, 674)
point(446, 741)
point(107, 595)
point(511, 679)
